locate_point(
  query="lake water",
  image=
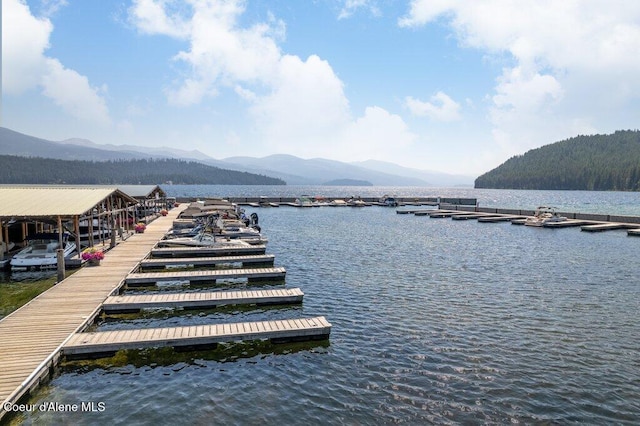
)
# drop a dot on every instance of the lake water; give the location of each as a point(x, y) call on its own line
point(434, 321)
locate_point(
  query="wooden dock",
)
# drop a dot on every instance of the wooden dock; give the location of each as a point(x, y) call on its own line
point(440, 214)
point(599, 227)
point(203, 299)
point(500, 218)
point(566, 224)
point(261, 259)
point(468, 216)
point(207, 251)
point(108, 342)
point(587, 222)
point(250, 274)
point(371, 201)
point(35, 337)
point(31, 338)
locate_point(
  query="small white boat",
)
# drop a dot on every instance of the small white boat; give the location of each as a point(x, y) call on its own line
point(204, 239)
point(304, 201)
point(338, 203)
point(41, 251)
point(237, 232)
point(388, 201)
point(543, 216)
point(356, 202)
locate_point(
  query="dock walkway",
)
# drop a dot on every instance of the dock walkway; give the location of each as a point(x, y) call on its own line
point(31, 338)
point(250, 274)
point(208, 251)
point(195, 335)
point(261, 259)
point(203, 299)
point(586, 221)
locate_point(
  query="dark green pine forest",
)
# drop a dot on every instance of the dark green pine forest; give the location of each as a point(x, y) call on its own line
point(33, 170)
point(596, 162)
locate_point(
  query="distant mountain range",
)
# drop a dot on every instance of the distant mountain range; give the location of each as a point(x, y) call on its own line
point(293, 170)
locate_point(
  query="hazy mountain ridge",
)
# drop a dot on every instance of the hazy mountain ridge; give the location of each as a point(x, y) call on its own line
point(316, 171)
point(434, 178)
point(15, 143)
point(291, 169)
point(161, 152)
point(39, 170)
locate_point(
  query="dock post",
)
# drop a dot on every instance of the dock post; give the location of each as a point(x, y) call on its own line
point(60, 258)
point(113, 232)
point(2, 240)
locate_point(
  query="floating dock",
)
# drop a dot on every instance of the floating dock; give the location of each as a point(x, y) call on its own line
point(251, 274)
point(587, 222)
point(105, 343)
point(260, 259)
point(211, 299)
point(467, 216)
point(31, 338)
point(606, 227)
point(36, 336)
point(207, 251)
point(499, 218)
point(369, 201)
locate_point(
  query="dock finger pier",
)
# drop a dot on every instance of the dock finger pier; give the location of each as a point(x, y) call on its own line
point(206, 247)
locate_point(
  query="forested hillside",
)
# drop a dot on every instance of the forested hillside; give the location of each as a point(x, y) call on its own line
point(16, 170)
point(597, 162)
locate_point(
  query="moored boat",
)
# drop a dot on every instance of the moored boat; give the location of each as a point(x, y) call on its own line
point(304, 201)
point(544, 215)
point(388, 201)
point(41, 251)
point(203, 239)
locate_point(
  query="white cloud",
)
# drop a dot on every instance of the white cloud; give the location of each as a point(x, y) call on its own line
point(73, 93)
point(351, 6)
point(51, 7)
point(562, 53)
point(440, 108)
point(150, 17)
point(24, 40)
point(296, 106)
point(377, 135)
point(220, 53)
point(25, 67)
point(305, 107)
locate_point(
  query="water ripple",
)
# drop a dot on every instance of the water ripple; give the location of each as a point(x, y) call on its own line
point(434, 321)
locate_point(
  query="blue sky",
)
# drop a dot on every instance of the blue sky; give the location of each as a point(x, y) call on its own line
point(454, 86)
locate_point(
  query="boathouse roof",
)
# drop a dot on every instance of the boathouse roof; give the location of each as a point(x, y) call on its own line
point(54, 200)
point(143, 191)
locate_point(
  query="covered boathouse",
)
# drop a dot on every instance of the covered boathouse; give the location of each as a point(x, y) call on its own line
point(26, 209)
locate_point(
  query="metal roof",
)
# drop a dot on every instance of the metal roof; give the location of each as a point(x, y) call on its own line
point(141, 191)
point(39, 201)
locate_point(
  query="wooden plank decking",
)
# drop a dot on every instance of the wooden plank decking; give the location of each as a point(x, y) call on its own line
point(208, 261)
point(207, 251)
point(111, 341)
point(205, 275)
point(202, 299)
point(567, 223)
point(31, 338)
point(500, 218)
point(473, 216)
point(607, 227)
